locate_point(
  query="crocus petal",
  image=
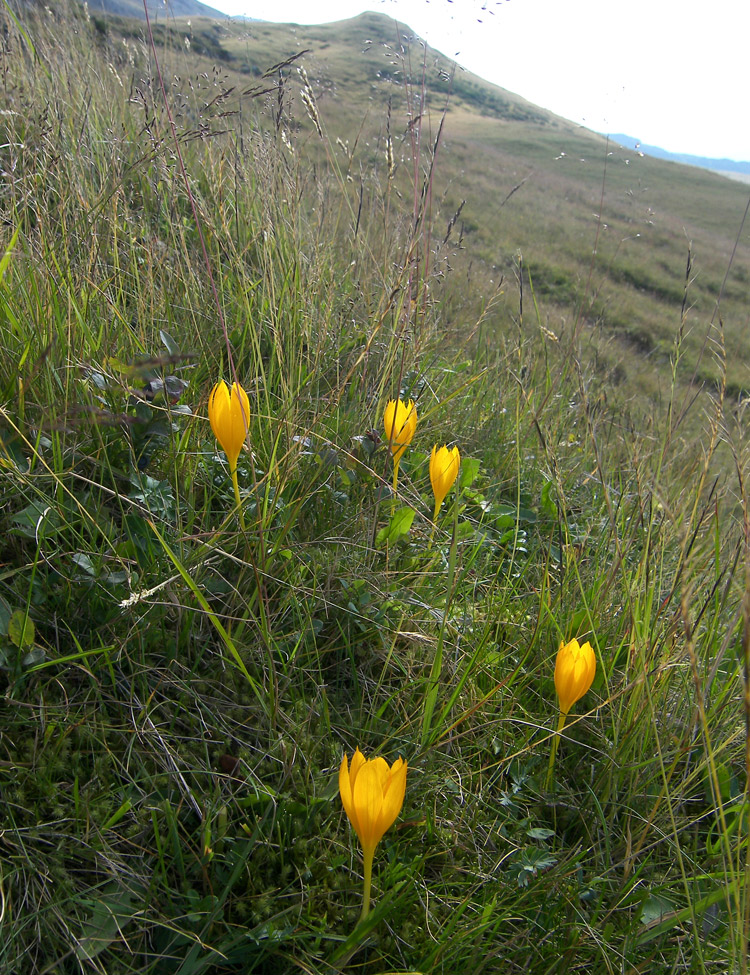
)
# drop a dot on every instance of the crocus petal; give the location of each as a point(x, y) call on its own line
point(348, 775)
point(218, 401)
point(347, 797)
point(358, 760)
point(239, 419)
point(393, 796)
point(368, 800)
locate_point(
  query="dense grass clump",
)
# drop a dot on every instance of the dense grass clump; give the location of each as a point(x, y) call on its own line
point(186, 657)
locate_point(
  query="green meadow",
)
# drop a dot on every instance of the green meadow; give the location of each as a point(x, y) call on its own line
point(197, 625)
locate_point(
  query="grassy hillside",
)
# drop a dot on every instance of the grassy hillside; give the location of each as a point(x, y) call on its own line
point(605, 234)
point(202, 616)
point(157, 8)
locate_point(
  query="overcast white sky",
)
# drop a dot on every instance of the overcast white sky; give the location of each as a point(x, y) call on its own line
point(672, 73)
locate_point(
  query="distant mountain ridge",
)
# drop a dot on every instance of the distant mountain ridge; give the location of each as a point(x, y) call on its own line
point(156, 8)
point(703, 162)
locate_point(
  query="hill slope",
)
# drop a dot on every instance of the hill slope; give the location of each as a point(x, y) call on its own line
point(156, 8)
point(603, 232)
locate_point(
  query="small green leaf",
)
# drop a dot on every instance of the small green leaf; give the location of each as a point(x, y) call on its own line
point(398, 526)
point(34, 657)
point(540, 833)
point(469, 470)
point(169, 343)
point(547, 503)
point(11, 450)
point(656, 909)
point(20, 629)
point(99, 380)
point(85, 564)
point(5, 615)
point(115, 818)
point(115, 578)
point(36, 520)
point(5, 260)
point(110, 914)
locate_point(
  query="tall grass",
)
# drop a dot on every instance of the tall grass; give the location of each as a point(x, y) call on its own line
point(179, 692)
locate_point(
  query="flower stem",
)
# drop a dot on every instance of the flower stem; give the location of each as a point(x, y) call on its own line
point(237, 497)
point(434, 524)
point(368, 855)
point(553, 752)
point(395, 474)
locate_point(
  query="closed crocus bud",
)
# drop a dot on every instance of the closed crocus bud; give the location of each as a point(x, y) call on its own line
point(444, 466)
point(372, 793)
point(229, 413)
point(574, 673)
point(400, 422)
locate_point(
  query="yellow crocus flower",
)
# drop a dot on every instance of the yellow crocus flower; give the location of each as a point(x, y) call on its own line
point(444, 466)
point(574, 673)
point(575, 669)
point(372, 793)
point(229, 413)
point(400, 421)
